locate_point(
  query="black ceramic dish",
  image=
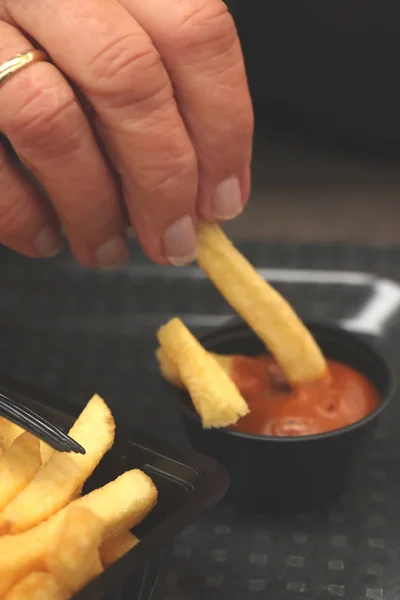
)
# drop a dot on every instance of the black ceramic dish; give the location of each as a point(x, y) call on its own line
point(293, 473)
point(187, 484)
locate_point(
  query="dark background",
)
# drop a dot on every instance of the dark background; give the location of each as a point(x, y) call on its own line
point(325, 85)
point(327, 68)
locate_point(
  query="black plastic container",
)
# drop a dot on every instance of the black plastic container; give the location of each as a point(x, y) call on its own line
point(296, 473)
point(187, 484)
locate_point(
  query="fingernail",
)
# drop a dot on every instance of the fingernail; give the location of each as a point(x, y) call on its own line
point(180, 242)
point(227, 199)
point(112, 254)
point(48, 242)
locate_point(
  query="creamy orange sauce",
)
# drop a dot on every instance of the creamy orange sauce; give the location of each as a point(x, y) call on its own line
point(341, 398)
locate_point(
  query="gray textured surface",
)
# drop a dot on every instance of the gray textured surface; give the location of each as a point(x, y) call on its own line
point(76, 332)
point(307, 193)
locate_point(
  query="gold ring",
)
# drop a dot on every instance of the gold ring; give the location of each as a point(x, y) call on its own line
point(19, 62)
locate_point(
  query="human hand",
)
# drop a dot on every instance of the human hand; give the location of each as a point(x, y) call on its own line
point(143, 119)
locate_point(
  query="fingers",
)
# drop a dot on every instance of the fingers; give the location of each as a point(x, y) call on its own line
point(119, 70)
point(199, 45)
point(27, 225)
point(40, 115)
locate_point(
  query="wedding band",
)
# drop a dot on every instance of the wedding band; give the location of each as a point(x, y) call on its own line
point(19, 62)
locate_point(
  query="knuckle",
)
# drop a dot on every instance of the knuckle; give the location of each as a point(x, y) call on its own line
point(208, 25)
point(90, 219)
point(172, 176)
point(119, 56)
point(115, 103)
point(44, 116)
point(232, 134)
point(244, 121)
point(126, 66)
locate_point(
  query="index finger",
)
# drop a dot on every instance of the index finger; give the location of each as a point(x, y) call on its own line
point(118, 68)
point(200, 47)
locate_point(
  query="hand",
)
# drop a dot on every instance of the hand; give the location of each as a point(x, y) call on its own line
point(143, 119)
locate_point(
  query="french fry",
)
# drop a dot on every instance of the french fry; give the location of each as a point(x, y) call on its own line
point(8, 433)
point(120, 505)
point(73, 555)
point(38, 586)
point(170, 370)
point(59, 479)
point(115, 548)
point(266, 312)
point(45, 451)
point(18, 466)
point(214, 395)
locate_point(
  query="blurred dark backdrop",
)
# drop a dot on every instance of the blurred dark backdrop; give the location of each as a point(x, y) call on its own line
point(326, 68)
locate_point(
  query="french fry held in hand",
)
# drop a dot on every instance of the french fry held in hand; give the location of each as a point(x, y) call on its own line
point(114, 548)
point(214, 395)
point(261, 306)
point(38, 586)
point(57, 481)
point(73, 556)
point(55, 558)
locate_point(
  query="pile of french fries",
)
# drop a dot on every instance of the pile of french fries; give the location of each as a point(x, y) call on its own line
point(53, 539)
point(206, 376)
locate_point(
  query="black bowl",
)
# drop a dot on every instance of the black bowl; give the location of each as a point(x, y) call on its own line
point(290, 473)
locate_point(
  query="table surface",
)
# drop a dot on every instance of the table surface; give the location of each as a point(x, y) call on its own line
point(310, 193)
point(77, 332)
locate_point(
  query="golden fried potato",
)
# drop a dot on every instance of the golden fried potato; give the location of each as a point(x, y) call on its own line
point(214, 395)
point(73, 555)
point(170, 371)
point(267, 313)
point(45, 451)
point(8, 433)
point(120, 505)
point(38, 586)
point(115, 548)
point(18, 466)
point(59, 479)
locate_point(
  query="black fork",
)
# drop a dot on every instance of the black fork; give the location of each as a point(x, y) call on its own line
point(26, 418)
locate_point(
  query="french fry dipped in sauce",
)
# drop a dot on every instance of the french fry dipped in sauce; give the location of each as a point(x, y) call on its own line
point(268, 314)
point(216, 398)
point(170, 370)
point(292, 392)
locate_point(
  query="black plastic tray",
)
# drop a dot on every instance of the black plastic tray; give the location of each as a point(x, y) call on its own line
point(73, 331)
point(187, 484)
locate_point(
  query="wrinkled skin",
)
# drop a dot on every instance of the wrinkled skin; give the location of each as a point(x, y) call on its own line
point(142, 119)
